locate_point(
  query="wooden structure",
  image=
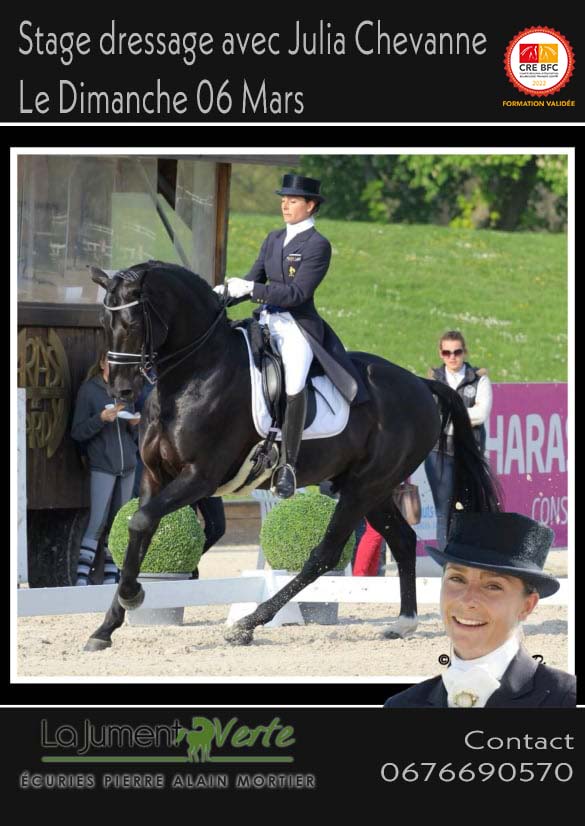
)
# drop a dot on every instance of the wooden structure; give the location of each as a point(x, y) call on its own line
point(110, 211)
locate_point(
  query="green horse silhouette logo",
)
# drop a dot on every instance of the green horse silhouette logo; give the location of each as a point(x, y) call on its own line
point(199, 739)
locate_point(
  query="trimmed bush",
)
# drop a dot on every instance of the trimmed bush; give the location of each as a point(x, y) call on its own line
point(176, 546)
point(295, 526)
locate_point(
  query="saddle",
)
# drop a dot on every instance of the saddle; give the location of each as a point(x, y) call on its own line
point(268, 360)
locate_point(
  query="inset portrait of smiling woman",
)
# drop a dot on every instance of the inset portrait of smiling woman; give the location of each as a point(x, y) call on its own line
point(492, 580)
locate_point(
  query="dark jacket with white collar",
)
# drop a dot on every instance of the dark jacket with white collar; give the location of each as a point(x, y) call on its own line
point(287, 277)
point(525, 684)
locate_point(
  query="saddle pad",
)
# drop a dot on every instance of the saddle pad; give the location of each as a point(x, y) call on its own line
point(325, 423)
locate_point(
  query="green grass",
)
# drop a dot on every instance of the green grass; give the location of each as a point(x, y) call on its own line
point(394, 289)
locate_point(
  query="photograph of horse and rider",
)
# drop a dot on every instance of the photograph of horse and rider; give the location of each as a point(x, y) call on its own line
point(353, 322)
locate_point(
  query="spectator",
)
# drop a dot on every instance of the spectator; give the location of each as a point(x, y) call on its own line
point(108, 437)
point(474, 387)
point(368, 559)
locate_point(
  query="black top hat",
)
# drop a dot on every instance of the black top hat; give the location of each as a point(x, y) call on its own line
point(508, 543)
point(297, 185)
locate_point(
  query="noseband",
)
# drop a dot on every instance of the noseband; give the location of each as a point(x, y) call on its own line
point(148, 358)
point(145, 359)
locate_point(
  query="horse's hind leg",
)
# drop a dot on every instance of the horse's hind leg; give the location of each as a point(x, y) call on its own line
point(401, 538)
point(324, 557)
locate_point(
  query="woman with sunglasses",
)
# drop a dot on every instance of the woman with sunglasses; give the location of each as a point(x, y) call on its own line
point(474, 387)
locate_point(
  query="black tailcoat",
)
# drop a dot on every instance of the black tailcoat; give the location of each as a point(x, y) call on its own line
point(287, 277)
point(524, 684)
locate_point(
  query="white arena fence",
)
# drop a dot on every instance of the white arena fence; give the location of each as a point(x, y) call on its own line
point(250, 589)
point(242, 593)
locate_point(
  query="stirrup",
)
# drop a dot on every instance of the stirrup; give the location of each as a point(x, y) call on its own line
point(284, 482)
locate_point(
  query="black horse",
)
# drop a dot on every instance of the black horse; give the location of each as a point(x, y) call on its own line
point(198, 431)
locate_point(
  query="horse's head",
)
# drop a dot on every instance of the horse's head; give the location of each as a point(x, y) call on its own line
point(165, 318)
point(125, 330)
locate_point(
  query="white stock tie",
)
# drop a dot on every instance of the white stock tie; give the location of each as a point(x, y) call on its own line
point(469, 689)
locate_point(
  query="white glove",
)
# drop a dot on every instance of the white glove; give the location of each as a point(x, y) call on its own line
point(239, 287)
point(219, 289)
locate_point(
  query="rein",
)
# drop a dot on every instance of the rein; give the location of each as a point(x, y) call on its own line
point(147, 358)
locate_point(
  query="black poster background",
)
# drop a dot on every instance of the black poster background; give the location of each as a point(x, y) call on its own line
point(335, 755)
point(346, 90)
point(348, 87)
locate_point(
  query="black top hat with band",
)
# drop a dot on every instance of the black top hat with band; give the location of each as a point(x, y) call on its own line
point(507, 543)
point(297, 185)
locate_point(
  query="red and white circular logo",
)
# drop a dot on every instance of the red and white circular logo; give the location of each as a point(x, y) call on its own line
point(539, 61)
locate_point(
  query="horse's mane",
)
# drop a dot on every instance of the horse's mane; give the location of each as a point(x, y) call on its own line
point(162, 270)
point(182, 274)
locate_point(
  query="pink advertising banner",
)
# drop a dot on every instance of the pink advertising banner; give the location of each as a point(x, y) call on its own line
point(527, 448)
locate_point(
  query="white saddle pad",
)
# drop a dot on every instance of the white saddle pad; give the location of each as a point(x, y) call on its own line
point(325, 423)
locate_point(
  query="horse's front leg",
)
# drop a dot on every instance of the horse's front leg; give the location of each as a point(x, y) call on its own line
point(324, 557)
point(102, 636)
point(186, 488)
point(130, 591)
point(114, 618)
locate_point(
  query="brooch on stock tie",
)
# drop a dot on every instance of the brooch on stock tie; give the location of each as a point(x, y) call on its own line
point(291, 272)
point(470, 689)
point(465, 699)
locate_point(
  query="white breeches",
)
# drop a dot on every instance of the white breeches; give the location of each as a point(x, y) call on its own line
point(293, 347)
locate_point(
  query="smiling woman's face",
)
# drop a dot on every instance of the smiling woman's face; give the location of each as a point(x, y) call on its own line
point(480, 609)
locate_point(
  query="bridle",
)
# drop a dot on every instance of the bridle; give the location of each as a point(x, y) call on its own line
point(148, 359)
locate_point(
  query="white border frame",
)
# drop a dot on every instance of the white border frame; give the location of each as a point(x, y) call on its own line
point(15, 152)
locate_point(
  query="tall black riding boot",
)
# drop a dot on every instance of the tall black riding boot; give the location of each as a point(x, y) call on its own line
point(292, 433)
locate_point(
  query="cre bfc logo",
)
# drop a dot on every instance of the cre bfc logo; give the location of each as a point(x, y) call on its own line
point(539, 61)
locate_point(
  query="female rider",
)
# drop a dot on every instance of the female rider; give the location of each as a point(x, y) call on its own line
point(291, 265)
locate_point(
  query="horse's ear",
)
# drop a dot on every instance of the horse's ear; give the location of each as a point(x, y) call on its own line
point(100, 277)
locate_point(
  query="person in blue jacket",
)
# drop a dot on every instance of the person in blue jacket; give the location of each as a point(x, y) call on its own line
point(107, 434)
point(291, 265)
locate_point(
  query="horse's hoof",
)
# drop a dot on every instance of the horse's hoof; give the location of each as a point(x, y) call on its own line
point(402, 628)
point(238, 635)
point(133, 602)
point(95, 644)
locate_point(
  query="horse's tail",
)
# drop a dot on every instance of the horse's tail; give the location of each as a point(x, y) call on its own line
point(475, 486)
